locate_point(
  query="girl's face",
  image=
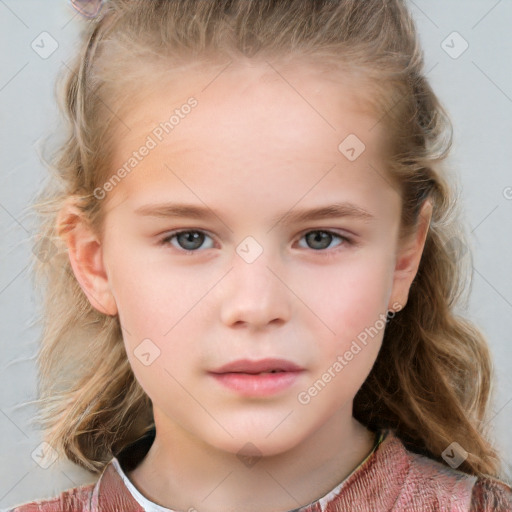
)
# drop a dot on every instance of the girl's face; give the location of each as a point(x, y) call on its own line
point(239, 162)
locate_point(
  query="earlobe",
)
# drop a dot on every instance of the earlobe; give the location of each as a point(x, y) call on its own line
point(86, 258)
point(409, 257)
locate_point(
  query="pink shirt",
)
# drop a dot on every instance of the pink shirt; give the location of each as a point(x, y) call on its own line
point(390, 479)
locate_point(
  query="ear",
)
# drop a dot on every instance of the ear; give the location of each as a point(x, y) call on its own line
point(86, 257)
point(408, 258)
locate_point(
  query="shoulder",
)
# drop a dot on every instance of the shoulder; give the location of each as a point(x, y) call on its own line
point(108, 494)
point(422, 483)
point(447, 487)
point(72, 500)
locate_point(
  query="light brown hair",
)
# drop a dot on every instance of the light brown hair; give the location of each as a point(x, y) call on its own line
point(431, 382)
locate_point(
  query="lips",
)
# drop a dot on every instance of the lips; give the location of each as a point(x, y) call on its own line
point(256, 367)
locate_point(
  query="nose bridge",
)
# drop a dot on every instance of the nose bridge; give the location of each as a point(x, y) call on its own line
point(254, 294)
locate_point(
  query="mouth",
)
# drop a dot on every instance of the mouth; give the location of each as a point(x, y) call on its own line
point(264, 384)
point(258, 367)
point(258, 378)
point(259, 373)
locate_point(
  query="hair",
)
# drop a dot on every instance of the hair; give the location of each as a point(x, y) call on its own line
point(431, 382)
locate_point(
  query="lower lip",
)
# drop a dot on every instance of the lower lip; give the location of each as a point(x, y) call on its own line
point(262, 384)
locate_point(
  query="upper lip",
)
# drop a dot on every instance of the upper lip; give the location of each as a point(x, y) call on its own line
point(262, 365)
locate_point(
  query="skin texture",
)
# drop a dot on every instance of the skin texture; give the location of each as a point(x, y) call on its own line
point(253, 149)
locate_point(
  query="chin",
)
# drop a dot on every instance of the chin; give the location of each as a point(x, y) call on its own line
point(254, 446)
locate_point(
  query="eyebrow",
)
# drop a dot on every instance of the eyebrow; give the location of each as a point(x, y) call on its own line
point(181, 210)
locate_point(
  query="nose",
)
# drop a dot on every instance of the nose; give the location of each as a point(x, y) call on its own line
point(255, 294)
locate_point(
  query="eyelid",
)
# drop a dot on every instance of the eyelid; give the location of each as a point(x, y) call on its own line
point(170, 234)
point(333, 231)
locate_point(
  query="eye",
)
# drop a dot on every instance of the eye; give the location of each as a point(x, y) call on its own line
point(188, 241)
point(318, 239)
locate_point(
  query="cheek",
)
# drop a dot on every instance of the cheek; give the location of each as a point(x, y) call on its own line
point(353, 306)
point(352, 297)
point(158, 325)
point(148, 301)
point(162, 307)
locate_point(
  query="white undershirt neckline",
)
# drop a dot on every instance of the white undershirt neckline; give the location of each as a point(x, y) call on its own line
point(147, 505)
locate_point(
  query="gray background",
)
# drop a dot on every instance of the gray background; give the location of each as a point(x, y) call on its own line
point(476, 88)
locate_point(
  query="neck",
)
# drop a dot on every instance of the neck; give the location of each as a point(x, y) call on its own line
point(181, 473)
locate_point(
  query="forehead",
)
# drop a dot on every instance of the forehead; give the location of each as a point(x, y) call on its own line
point(252, 123)
point(262, 97)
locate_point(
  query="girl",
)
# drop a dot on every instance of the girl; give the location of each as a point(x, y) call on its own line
point(255, 262)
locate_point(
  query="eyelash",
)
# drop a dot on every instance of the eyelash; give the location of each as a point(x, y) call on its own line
point(346, 241)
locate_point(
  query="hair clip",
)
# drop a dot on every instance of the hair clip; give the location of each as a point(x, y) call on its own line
point(87, 8)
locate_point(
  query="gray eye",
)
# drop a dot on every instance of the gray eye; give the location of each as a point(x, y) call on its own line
point(186, 240)
point(318, 240)
point(190, 240)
